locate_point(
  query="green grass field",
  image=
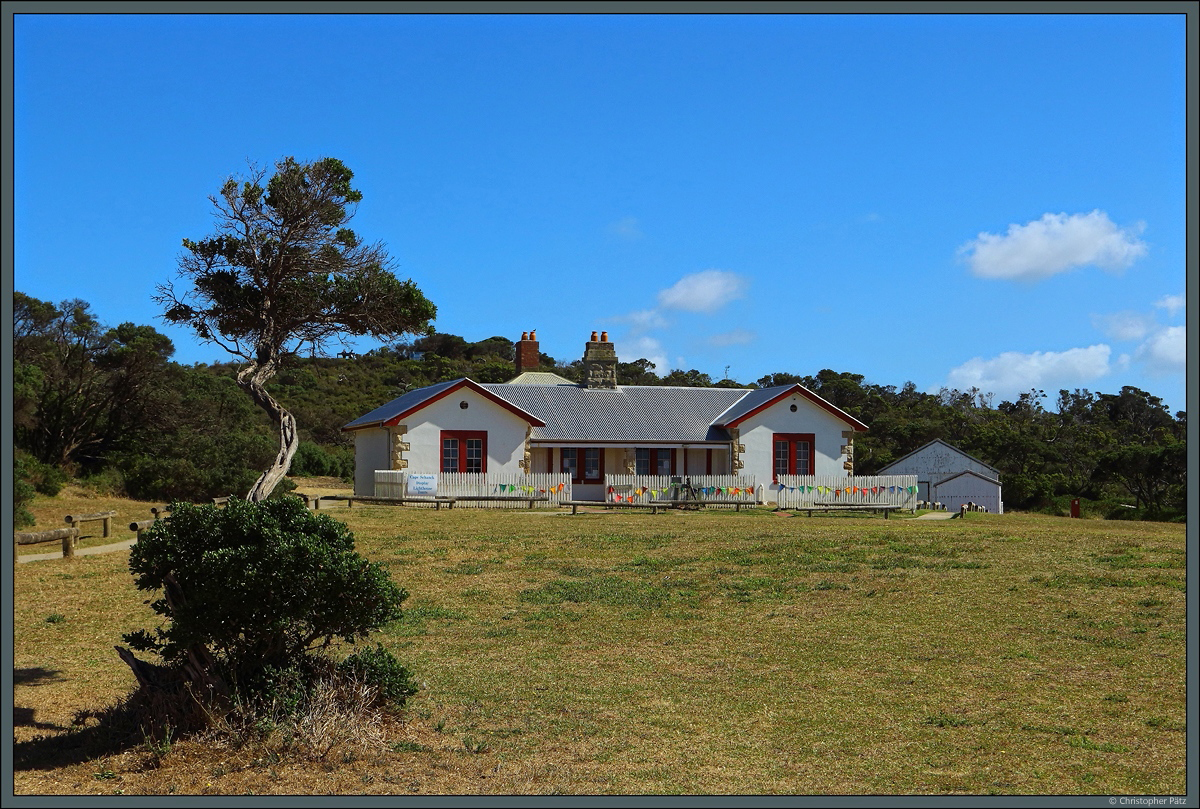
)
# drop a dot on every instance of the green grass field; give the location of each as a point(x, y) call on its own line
point(695, 653)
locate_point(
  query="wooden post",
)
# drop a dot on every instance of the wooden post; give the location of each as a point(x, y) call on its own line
point(68, 544)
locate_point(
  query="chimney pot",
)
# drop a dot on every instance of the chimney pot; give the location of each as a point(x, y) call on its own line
point(526, 358)
point(604, 337)
point(594, 337)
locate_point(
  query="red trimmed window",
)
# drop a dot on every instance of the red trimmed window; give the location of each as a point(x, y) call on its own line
point(793, 454)
point(584, 465)
point(654, 461)
point(464, 451)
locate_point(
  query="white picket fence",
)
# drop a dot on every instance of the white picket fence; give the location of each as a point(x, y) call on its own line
point(798, 491)
point(643, 488)
point(557, 487)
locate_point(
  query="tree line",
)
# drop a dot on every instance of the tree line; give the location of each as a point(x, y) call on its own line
point(108, 406)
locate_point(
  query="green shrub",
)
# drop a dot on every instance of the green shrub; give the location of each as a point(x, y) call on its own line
point(314, 460)
point(379, 668)
point(44, 478)
point(22, 496)
point(107, 481)
point(261, 590)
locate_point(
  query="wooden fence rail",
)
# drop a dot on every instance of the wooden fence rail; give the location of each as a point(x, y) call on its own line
point(105, 517)
point(68, 536)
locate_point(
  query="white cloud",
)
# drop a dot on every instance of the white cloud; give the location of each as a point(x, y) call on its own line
point(1172, 303)
point(626, 228)
point(644, 320)
point(1165, 352)
point(1012, 373)
point(737, 337)
point(705, 291)
point(1053, 244)
point(1124, 325)
point(646, 348)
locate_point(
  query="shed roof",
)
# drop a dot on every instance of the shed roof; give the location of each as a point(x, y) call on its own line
point(950, 447)
point(966, 472)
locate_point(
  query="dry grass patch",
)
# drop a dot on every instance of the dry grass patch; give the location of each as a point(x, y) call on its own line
point(704, 654)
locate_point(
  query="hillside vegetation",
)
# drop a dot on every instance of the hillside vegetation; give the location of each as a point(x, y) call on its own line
point(108, 406)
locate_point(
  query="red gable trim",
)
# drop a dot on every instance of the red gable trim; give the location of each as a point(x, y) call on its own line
point(807, 394)
point(466, 383)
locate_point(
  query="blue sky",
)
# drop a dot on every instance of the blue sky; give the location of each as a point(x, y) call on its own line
point(962, 200)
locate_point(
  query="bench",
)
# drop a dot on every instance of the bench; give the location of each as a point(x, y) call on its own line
point(887, 509)
point(515, 498)
point(105, 517)
point(370, 499)
point(575, 504)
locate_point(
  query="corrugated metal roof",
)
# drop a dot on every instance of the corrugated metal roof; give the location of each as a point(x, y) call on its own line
point(399, 405)
point(950, 447)
point(752, 399)
point(628, 413)
point(539, 378)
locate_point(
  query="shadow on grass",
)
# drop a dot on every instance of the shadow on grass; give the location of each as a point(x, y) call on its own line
point(75, 746)
point(35, 676)
point(108, 733)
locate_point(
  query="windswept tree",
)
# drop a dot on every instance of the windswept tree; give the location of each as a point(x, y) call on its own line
point(283, 272)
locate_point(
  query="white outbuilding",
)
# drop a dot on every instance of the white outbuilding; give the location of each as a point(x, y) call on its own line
point(969, 488)
point(947, 475)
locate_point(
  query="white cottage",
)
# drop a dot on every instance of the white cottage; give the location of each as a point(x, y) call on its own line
point(541, 422)
point(947, 475)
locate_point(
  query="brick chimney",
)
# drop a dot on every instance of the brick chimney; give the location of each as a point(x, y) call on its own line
point(600, 363)
point(527, 353)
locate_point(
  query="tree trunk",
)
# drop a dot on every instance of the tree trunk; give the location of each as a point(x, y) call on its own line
point(252, 379)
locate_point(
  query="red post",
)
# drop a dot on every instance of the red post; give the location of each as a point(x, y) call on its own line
point(1075, 508)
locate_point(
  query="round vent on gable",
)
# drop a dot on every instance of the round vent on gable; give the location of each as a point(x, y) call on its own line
point(463, 405)
point(793, 408)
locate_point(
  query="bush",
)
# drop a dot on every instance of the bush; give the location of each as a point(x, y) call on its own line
point(254, 594)
point(314, 460)
point(108, 481)
point(22, 496)
point(379, 668)
point(44, 478)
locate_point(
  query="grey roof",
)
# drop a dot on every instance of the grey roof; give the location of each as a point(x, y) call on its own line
point(399, 405)
point(967, 472)
point(539, 378)
point(950, 447)
point(628, 413)
point(752, 399)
